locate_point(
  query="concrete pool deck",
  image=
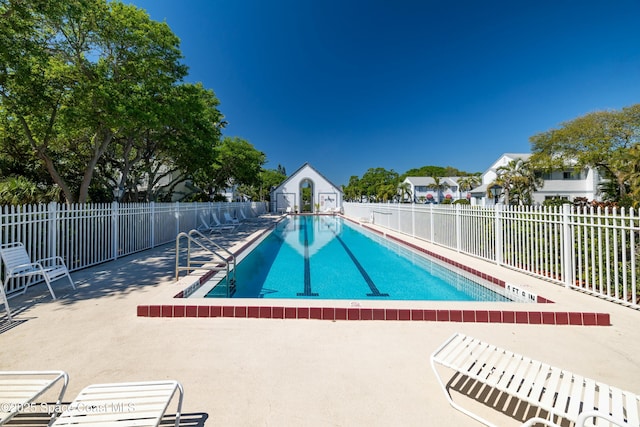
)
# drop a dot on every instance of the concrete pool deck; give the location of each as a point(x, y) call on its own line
point(291, 372)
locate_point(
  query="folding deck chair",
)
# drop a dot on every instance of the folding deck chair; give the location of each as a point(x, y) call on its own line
point(18, 264)
point(555, 391)
point(18, 389)
point(230, 220)
point(227, 226)
point(216, 226)
point(122, 404)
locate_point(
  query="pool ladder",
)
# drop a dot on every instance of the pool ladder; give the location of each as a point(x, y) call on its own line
point(226, 260)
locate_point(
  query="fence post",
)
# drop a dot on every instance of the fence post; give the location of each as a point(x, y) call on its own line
point(115, 228)
point(177, 214)
point(413, 220)
point(431, 222)
point(567, 261)
point(499, 235)
point(152, 208)
point(53, 229)
point(458, 228)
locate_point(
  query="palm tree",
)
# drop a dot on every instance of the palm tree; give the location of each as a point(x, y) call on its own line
point(467, 183)
point(404, 189)
point(438, 186)
point(517, 178)
point(386, 192)
point(631, 174)
point(21, 191)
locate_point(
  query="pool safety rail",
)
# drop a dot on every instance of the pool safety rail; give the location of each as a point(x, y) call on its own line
point(219, 260)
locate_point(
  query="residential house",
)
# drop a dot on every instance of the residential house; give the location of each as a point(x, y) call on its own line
point(564, 184)
point(423, 190)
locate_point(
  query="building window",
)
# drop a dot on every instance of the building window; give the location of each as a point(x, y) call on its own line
point(573, 175)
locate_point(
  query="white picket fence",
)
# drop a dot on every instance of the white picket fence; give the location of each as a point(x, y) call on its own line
point(88, 234)
point(594, 250)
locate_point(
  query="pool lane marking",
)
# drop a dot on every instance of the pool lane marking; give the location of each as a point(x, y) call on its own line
point(374, 290)
point(307, 266)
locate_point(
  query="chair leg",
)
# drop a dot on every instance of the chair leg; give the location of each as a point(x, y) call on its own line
point(26, 286)
point(70, 280)
point(5, 301)
point(46, 279)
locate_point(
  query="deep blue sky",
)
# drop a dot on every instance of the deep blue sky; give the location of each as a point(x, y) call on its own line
point(350, 85)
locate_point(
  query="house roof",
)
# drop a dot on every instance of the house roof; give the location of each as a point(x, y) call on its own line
point(509, 156)
point(427, 180)
point(306, 164)
point(523, 156)
point(481, 189)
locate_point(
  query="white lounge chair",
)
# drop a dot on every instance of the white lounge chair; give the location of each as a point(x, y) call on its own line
point(246, 218)
point(250, 219)
point(206, 226)
point(19, 389)
point(558, 392)
point(122, 404)
point(230, 220)
point(18, 264)
point(3, 300)
point(222, 226)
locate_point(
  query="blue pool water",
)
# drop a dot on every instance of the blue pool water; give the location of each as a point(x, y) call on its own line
point(325, 257)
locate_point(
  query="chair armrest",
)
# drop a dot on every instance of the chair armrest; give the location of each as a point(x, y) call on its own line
point(23, 267)
point(54, 260)
point(537, 420)
point(584, 416)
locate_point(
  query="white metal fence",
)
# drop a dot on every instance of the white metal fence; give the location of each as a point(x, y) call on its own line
point(593, 250)
point(88, 234)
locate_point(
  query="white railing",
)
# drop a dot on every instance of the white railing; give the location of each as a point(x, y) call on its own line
point(88, 234)
point(594, 250)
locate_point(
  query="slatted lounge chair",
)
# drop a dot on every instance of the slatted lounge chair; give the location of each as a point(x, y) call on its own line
point(222, 226)
point(230, 220)
point(18, 264)
point(246, 218)
point(558, 392)
point(4, 301)
point(18, 389)
point(206, 226)
point(254, 219)
point(122, 404)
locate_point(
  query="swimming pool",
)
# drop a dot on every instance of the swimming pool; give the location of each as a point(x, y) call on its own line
point(325, 257)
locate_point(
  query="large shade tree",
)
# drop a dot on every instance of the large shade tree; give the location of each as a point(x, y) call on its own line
point(601, 140)
point(77, 75)
point(237, 163)
point(378, 184)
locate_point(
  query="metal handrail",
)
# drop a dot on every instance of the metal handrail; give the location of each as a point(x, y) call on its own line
point(196, 237)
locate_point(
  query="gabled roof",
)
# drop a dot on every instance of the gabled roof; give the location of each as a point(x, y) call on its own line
point(427, 180)
point(523, 156)
point(510, 156)
point(306, 165)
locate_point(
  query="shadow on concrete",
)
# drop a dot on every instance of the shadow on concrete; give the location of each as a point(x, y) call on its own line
point(146, 269)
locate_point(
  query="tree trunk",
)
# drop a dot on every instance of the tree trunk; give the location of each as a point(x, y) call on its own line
point(98, 150)
point(48, 163)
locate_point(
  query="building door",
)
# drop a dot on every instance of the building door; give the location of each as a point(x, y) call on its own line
point(306, 196)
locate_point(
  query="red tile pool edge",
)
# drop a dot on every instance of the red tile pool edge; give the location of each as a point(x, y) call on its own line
point(494, 280)
point(363, 313)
